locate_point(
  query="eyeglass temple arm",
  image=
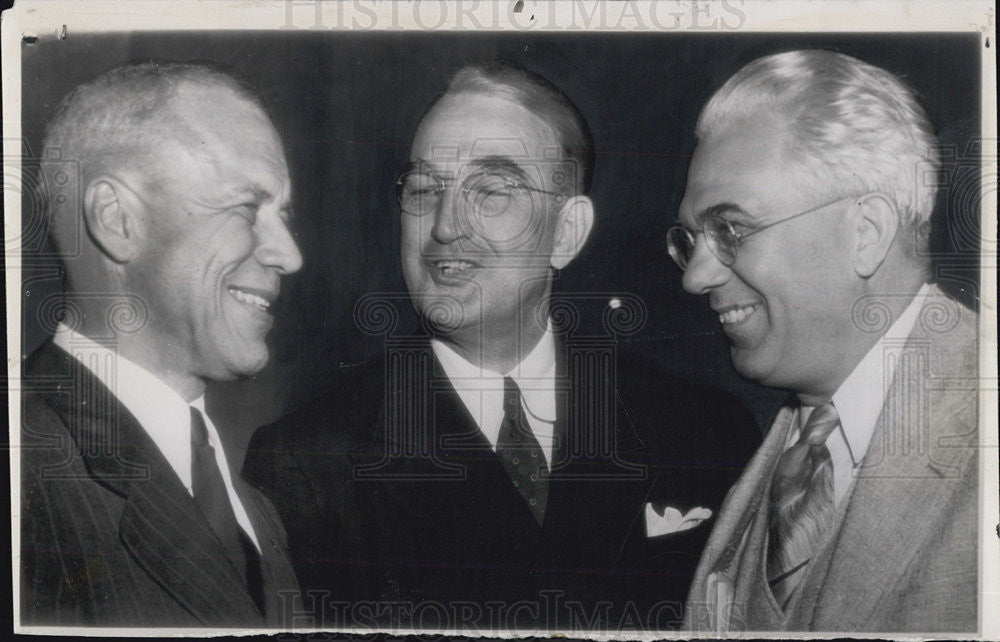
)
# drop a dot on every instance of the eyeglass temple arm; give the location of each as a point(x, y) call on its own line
point(784, 220)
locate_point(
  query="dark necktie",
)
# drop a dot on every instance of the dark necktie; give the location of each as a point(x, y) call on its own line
point(802, 503)
point(520, 452)
point(212, 499)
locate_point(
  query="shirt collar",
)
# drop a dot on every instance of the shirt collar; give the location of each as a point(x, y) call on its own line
point(861, 396)
point(481, 389)
point(535, 375)
point(159, 409)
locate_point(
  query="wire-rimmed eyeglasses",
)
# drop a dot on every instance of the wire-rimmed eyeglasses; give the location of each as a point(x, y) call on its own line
point(487, 192)
point(722, 238)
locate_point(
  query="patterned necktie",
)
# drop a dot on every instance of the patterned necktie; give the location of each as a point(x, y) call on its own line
point(212, 499)
point(802, 505)
point(520, 452)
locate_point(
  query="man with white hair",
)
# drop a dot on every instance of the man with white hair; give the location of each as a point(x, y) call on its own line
point(174, 234)
point(805, 222)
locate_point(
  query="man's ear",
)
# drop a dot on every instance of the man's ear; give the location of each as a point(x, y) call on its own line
point(573, 224)
point(876, 223)
point(109, 212)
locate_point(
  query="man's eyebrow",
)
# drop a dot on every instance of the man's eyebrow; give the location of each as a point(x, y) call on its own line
point(495, 163)
point(485, 163)
point(425, 166)
point(725, 209)
point(252, 194)
point(258, 193)
point(722, 208)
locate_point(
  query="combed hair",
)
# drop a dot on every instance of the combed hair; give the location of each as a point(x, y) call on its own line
point(852, 128)
point(119, 118)
point(539, 96)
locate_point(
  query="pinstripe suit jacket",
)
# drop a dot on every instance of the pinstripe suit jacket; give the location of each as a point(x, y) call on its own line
point(109, 534)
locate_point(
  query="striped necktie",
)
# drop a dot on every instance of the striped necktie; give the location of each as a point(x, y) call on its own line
point(802, 504)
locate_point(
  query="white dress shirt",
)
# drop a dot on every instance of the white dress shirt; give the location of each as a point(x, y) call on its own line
point(481, 390)
point(860, 398)
point(161, 412)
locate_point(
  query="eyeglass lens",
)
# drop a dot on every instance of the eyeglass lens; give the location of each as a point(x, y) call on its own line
point(680, 245)
point(485, 194)
point(719, 235)
point(722, 240)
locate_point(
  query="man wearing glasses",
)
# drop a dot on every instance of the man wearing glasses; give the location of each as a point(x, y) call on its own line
point(805, 222)
point(494, 472)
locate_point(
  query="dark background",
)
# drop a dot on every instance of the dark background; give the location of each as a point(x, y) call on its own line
point(347, 105)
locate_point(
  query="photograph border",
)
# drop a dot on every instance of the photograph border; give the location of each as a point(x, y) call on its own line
point(32, 19)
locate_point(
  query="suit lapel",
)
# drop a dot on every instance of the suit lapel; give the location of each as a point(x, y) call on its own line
point(280, 585)
point(462, 442)
point(598, 474)
point(429, 435)
point(912, 469)
point(422, 413)
point(170, 540)
point(722, 558)
point(160, 525)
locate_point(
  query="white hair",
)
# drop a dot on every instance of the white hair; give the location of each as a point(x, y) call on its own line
point(119, 119)
point(852, 128)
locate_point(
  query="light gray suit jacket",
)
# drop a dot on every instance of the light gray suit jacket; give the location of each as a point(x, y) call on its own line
point(903, 553)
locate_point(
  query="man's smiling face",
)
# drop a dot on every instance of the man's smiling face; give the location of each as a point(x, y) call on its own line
point(469, 265)
point(217, 244)
point(785, 303)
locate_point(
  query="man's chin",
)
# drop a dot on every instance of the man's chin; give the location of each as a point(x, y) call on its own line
point(241, 360)
point(750, 363)
point(443, 315)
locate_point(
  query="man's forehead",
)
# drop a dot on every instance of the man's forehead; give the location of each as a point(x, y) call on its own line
point(473, 125)
point(219, 162)
point(737, 171)
point(212, 182)
point(217, 110)
point(748, 144)
point(516, 165)
point(512, 148)
point(234, 147)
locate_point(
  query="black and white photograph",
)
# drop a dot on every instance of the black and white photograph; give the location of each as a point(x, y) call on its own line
point(610, 320)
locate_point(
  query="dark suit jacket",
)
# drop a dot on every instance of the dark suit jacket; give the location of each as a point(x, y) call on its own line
point(395, 500)
point(109, 534)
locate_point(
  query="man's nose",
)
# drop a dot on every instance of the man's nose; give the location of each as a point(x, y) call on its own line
point(448, 223)
point(276, 248)
point(704, 271)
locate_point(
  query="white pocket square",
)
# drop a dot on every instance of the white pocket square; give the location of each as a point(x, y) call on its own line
point(672, 521)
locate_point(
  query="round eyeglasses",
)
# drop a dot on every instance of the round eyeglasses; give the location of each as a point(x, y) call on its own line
point(722, 238)
point(487, 193)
